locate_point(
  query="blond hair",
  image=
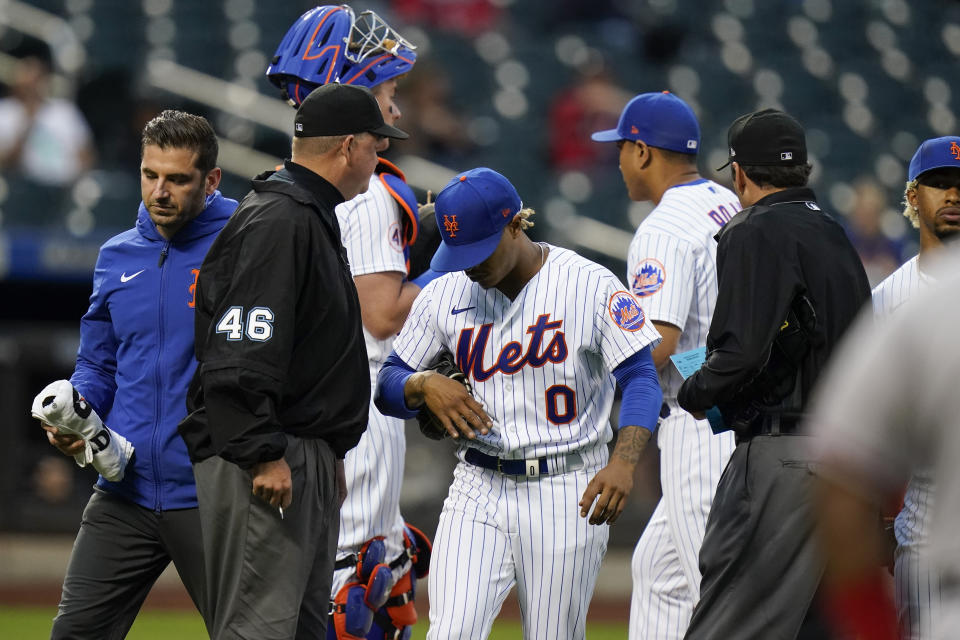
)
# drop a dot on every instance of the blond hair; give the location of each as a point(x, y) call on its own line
point(525, 221)
point(909, 211)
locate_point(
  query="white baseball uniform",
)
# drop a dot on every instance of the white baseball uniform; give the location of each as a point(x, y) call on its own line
point(917, 588)
point(541, 365)
point(889, 405)
point(671, 267)
point(370, 231)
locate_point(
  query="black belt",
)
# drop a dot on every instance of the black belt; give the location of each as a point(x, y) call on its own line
point(530, 467)
point(351, 561)
point(775, 425)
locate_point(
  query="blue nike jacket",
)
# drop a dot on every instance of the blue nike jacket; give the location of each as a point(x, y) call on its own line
point(136, 356)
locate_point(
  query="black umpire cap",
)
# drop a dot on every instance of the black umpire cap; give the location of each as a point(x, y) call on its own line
point(767, 138)
point(341, 109)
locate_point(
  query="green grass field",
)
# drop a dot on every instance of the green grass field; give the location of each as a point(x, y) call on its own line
point(34, 622)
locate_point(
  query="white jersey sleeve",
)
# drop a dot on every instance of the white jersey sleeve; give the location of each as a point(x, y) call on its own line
point(622, 327)
point(370, 231)
point(419, 341)
point(662, 273)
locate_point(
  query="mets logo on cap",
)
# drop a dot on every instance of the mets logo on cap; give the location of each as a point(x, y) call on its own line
point(648, 277)
point(626, 311)
point(450, 225)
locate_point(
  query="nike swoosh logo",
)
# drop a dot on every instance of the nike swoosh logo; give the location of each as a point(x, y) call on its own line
point(125, 278)
point(455, 311)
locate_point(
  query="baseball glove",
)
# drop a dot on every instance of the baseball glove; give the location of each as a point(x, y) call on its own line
point(444, 364)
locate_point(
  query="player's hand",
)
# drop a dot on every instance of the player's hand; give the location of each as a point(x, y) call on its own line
point(460, 412)
point(66, 443)
point(611, 487)
point(272, 483)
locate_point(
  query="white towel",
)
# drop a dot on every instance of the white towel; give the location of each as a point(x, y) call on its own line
point(62, 406)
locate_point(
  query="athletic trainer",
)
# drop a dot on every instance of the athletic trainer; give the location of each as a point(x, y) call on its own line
point(133, 368)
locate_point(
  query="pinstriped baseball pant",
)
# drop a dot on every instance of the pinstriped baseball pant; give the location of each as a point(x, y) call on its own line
point(916, 580)
point(497, 531)
point(665, 566)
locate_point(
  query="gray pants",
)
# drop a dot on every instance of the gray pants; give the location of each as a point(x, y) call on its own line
point(119, 552)
point(759, 560)
point(268, 578)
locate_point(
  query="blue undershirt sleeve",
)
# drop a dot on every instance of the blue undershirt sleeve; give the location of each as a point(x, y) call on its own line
point(389, 397)
point(427, 277)
point(642, 397)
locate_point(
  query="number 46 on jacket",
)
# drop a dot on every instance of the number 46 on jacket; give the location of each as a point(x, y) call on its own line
point(258, 325)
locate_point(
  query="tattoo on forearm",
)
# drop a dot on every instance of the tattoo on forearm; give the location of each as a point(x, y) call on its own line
point(630, 443)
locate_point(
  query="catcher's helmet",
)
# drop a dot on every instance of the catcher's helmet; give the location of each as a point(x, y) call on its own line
point(331, 44)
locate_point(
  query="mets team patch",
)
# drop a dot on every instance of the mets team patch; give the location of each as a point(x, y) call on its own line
point(648, 277)
point(626, 311)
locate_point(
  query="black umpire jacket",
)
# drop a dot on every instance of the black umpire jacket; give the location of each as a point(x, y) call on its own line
point(278, 331)
point(769, 254)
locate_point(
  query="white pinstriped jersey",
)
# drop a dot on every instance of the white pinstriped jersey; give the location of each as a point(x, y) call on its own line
point(672, 263)
point(671, 266)
point(370, 231)
point(898, 287)
point(916, 589)
point(542, 363)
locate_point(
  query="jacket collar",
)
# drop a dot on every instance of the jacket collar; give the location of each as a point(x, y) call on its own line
point(216, 210)
point(790, 194)
point(303, 184)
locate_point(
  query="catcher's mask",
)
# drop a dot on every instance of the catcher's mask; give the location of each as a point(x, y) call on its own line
point(332, 44)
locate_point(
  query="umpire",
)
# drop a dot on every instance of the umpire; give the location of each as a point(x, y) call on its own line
point(282, 388)
point(790, 284)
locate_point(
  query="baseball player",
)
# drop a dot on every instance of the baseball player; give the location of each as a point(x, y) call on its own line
point(333, 44)
point(542, 335)
point(887, 408)
point(671, 268)
point(932, 204)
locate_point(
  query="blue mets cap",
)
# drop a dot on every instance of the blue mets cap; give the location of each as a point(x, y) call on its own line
point(471, 212)
point(660, 120)
point(935, 153)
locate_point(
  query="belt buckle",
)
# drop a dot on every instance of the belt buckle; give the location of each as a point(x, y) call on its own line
point(532, 466)
point(499, 465)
